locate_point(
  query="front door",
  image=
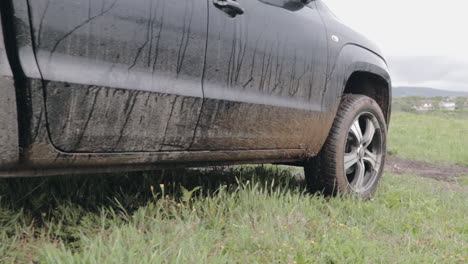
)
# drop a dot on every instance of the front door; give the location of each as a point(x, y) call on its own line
point(265, 73)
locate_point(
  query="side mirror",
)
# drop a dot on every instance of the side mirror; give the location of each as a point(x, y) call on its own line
point(291, 5)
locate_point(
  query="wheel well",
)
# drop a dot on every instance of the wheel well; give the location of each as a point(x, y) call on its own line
point(371, 85)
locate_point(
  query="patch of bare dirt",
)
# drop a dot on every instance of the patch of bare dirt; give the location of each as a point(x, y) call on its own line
point(449, 173)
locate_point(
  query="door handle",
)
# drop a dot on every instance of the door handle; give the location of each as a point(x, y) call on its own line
point(231, 7)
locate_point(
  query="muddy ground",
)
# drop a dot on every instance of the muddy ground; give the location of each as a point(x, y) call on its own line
point(447, 173)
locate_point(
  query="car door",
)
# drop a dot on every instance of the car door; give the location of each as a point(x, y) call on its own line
point(121, 75)
point(265, 74)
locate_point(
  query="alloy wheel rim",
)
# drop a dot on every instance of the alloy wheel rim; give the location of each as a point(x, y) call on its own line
point(363, 153)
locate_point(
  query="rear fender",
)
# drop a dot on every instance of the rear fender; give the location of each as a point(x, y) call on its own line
point(9, 143)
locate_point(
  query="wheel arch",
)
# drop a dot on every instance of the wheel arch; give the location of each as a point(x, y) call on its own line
point(358, 70)
point(372, 85)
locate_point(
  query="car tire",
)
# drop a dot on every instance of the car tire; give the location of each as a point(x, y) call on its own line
point(352, 158)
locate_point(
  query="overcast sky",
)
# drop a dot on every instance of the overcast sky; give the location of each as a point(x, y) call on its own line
point(425, 41)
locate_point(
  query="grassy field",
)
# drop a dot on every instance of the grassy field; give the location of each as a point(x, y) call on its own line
point(437, 138)
point(250, 214)
point(247, 215)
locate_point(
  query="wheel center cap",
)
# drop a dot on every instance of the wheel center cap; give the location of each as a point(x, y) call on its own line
point(361, 152)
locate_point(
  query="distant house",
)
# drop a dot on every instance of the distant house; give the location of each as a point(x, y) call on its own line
point(424, 105)
point(447, 105)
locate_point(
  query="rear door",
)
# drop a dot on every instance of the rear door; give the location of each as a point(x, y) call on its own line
point(265, 74)
point(121, 75)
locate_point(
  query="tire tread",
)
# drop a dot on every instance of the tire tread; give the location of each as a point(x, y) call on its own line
point(321, 171)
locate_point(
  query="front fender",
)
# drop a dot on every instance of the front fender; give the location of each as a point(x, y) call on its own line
point(351, 59)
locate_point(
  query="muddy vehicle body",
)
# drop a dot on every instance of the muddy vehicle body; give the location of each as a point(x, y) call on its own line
point(120, 85)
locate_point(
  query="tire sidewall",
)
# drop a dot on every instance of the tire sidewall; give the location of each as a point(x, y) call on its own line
point(363, 105)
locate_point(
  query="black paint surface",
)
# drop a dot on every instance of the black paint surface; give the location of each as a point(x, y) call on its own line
point(143, 83)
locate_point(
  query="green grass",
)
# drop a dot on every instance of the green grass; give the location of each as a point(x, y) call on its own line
point(463, 180)
point(431, 138)
point(239, 215)
point(247, 214)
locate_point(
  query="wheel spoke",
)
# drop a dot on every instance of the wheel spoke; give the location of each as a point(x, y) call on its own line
point(369, 134)
point(356, 130)
point(359, 176)
point(350, 159)
point(371, 158)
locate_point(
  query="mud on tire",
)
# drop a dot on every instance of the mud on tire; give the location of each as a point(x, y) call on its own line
point(352, 158)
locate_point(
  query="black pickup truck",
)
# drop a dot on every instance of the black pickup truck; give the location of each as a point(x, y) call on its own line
point(120, 85)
